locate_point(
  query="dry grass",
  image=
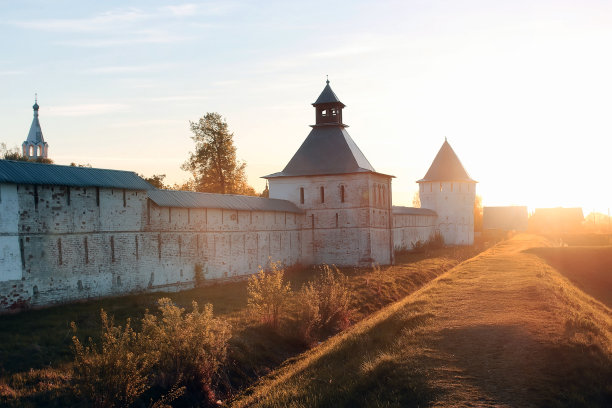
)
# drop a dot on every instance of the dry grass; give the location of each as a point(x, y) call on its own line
point(501, 329)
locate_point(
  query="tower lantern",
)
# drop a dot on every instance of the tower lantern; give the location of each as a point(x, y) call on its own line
point(328, 108)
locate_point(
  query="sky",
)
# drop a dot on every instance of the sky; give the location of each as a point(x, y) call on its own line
point(521, 89)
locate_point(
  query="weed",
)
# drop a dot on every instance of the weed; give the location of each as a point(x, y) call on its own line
point(324, 304)
point(119, 372)
point(268, 293)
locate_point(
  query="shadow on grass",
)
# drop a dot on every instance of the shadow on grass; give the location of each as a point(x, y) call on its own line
point(509, 366)
point(362, 370)
point(588, 267)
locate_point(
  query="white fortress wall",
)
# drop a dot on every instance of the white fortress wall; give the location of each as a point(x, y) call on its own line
point(454, 204)
point(409, 229)
point(80, 243)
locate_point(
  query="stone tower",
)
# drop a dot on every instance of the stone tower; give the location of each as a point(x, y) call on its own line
point(450, 192)
point(35, 146)
point(347, 203)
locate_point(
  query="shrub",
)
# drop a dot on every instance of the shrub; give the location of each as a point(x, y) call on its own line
point(435, 241)
point(117, 374)
point(308, 316)
point(191, 346)
point(324, 304)
point(268, 294)
point(172, 349)
point(198, 275)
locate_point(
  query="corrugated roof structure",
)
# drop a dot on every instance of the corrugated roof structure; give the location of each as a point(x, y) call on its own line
point(399, 210)
point(326, 150)
point(446, 167)
point(190, 199)
point(21, 172)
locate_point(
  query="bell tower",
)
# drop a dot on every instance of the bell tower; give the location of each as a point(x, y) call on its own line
point(35, 146)
point(328, 108)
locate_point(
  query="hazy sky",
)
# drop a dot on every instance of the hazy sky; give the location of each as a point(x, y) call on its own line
point(521, 89)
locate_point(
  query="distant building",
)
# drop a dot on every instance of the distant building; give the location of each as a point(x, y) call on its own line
point(556, 220)
point(35, 146)
point(511, 218)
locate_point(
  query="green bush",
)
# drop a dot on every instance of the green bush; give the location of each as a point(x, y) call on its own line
point(119, 372)
point(174, 351)
point(268, 294)
point(435, 241)
point(191, 346)
point(198, 275)
point(324, 303)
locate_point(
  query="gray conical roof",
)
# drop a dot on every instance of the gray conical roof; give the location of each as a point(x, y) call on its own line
point(326, 150)
point(446, 167)
point(35, 136)
point(327, 96)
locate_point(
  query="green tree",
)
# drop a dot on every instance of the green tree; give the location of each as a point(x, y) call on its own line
point(213, 165)
point(14, 154)
point(157, 181)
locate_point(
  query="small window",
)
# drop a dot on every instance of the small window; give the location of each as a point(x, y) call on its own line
point(67, 195)
point(336, 220)
point(322, 194)
point(341, 194)
point(31, 151)
point(98, 196)
point(440, 186)
point(124, 199)
point(324, 112)
point(334, 112)
point(40, 152)
point(301, 195)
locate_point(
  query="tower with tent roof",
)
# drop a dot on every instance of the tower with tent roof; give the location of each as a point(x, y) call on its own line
point(449, 190)
point(347, 203)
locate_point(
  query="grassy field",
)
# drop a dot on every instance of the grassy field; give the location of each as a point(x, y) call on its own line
point(35, 353)
point(501, 329)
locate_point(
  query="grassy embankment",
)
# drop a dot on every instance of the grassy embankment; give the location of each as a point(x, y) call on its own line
point(501, 329)
point(35, 355)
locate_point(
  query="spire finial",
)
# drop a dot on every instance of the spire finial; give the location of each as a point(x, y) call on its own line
point(327, 79)
point(35, 107)
point(35, 97)
point(445, 139)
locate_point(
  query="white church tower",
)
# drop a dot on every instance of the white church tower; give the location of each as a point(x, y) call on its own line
point(347, 203)
point(35, 146)
point(449, 190)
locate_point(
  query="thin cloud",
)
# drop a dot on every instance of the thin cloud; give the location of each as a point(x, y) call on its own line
point(3, 73)
point(88, 109)
point(178, 98)
point(102, 22)
point(152, 122)
point(181, 10)
point(126, 69)
point(140, 37)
